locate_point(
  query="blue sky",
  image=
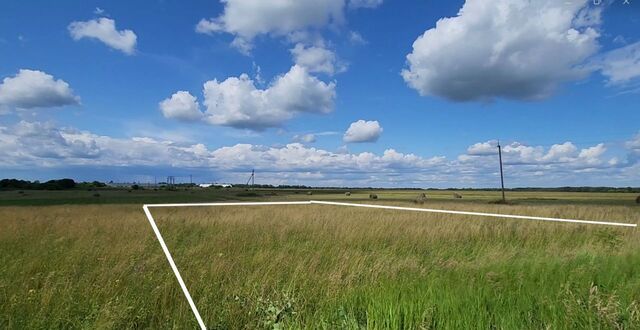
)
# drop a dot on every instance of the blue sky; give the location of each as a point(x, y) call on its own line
point(334, 92)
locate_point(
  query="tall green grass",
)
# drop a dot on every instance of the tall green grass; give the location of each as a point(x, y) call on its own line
point(318, 267)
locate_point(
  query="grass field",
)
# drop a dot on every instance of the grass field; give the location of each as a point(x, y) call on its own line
point(99, 266)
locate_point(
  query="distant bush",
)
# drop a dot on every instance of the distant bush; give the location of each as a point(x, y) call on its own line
point(638, 199)
point(456, 195)
point(347, 193)
point(96, 195)
point(248, 194)
point(135, 187)
point(373, 196)
point(309, 193)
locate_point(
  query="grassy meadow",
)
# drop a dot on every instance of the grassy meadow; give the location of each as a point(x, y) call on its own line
point(324, 267)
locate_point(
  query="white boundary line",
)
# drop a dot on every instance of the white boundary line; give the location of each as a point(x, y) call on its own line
point(146, 207)
point(495, 215)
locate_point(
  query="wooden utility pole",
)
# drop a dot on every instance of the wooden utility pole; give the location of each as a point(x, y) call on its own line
point(501, 174)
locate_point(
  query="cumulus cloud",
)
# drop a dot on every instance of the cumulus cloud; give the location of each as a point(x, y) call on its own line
point(565, 152)
point(363, 131)
point(517, 153)
point(236, 101)
point(43, 145)
point(104, 29)
point(246, 19)
point(316, 59)
point(35, 89)
point(483, 148)
point(182, 106)
point(504, 49)
point(304, 138)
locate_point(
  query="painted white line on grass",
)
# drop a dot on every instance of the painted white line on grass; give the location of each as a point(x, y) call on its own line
point(496, 215)
point(388, 207)
point(229, 204)
point(173, 266)
point(146, 207)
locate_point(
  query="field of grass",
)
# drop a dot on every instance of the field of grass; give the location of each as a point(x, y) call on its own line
point(317, 266)
point(150, 196)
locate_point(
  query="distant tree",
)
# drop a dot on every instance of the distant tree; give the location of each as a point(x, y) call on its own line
point(98, 184)
point(61, 184)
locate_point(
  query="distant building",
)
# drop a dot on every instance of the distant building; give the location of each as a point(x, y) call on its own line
point(207, 185)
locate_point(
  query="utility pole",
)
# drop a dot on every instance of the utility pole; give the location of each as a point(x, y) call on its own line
point(252, 178)
point(501, 174)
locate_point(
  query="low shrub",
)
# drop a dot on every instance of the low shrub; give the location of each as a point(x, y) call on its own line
point(373, 196)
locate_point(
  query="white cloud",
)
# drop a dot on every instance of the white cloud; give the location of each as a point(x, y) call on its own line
point(364, 3)
point(35, 89)
point(562, 152)
point(236, 101)
point(363, 131)
point(249, 18)
point(592, 153)
point(634, 143)
point(182, 105)
point(483, 148)
point(515, 49)
point(246, 19)
point(356, 38)
point(304, 138)
point(516, 153)
point(622, 65)
point(104, 29)
point(316, 59)
point(43, 145)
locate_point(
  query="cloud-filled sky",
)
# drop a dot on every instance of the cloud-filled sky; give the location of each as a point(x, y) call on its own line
point(322, 92)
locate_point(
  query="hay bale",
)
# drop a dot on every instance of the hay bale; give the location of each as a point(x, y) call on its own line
point(456, 195)
point(638, 199)
point(373, 196)
point(309, 193)
point(348, 193)
point(420, 199)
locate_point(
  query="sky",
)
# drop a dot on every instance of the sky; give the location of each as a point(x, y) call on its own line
point(327, 93)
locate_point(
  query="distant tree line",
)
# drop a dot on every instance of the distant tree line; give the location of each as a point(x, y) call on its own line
point(14, 184)
point(63, 184)
point(60, 184)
